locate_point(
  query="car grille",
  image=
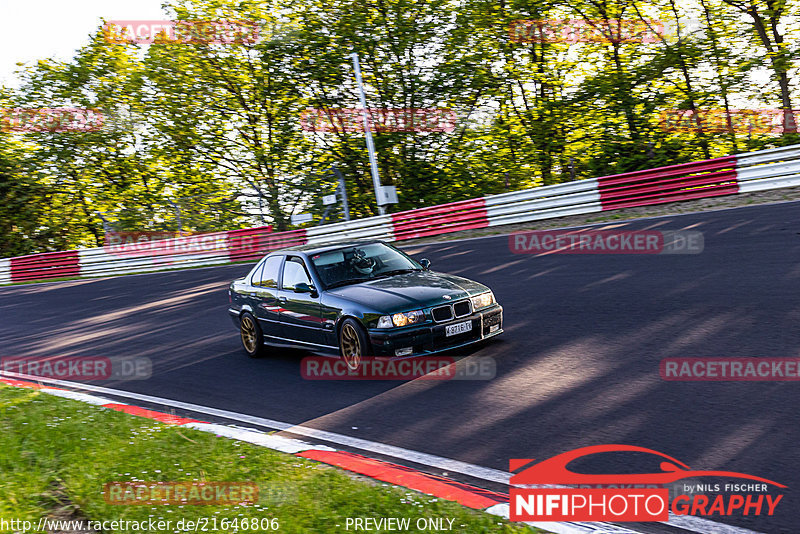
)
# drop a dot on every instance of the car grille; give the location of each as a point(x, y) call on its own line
point(442, 313)
point(445, 313)
point(462, 308)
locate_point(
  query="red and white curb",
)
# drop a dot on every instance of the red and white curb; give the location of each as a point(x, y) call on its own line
point(435, 485)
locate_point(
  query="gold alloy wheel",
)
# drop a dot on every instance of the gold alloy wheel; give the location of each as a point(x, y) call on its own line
point(351, 347)
point(248, 330)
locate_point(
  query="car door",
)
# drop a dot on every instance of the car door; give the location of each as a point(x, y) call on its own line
point(301, 319)
point(265, 295)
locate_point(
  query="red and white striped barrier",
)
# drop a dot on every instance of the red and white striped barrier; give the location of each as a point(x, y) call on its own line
point(47, 265)
point(701, 179)
point(443, 219)
point(742, 173)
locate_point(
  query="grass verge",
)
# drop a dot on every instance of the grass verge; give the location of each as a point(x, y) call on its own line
point(56, 454)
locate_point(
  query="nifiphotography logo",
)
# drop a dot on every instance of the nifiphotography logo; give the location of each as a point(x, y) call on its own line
point(630, 497)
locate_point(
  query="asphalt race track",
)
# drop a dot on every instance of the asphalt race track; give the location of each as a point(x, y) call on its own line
point(578, 364)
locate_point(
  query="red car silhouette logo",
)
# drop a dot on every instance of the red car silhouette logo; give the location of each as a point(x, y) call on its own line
point(554, 470)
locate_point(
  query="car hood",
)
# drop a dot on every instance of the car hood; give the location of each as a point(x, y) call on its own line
point(404, 292)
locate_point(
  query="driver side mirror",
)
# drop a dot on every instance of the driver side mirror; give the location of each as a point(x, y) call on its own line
point(302, 287)
point(426, 263)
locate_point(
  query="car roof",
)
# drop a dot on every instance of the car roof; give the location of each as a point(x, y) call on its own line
point(310, 250)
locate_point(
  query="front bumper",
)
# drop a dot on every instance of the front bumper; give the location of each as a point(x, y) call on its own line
point(431, 338)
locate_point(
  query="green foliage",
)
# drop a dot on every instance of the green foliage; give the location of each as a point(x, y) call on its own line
point(212, 134)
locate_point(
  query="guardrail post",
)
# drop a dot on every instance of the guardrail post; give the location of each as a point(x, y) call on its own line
point(343, 191)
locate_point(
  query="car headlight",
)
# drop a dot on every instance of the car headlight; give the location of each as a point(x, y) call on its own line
point(401, 319)
point(483, 300)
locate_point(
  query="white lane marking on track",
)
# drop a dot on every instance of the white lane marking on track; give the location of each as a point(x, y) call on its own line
point(74, 395)
point(691, 523)
point(570, 527)
point(686, 522)
point(278, 443)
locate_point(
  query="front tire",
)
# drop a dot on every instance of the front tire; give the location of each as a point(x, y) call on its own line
point(252, 338)
point(353, 344)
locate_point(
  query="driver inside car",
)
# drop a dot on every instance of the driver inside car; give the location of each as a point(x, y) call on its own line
point(361, 264)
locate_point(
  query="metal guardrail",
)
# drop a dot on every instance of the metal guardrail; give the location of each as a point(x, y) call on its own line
point(5, 271)
point(769, 169)
point(371, 228)
point(573, 198)
point(755, 171)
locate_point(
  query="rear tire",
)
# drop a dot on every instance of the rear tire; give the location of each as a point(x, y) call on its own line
point(353, 344)
point(252, 338)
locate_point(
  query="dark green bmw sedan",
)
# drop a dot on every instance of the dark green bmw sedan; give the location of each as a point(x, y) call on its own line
point(359, 299)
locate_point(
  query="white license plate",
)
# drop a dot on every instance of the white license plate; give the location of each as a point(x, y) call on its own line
point(458, 328)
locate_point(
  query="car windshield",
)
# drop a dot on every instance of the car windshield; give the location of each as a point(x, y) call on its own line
point(359, 263)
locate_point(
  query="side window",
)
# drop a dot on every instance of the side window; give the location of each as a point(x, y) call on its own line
point(256, 273)
point(294, 272)
point(268, 277)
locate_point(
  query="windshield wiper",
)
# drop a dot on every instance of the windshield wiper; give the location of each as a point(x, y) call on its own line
point(394, 272)
point(385, 274)
point(347, 282)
